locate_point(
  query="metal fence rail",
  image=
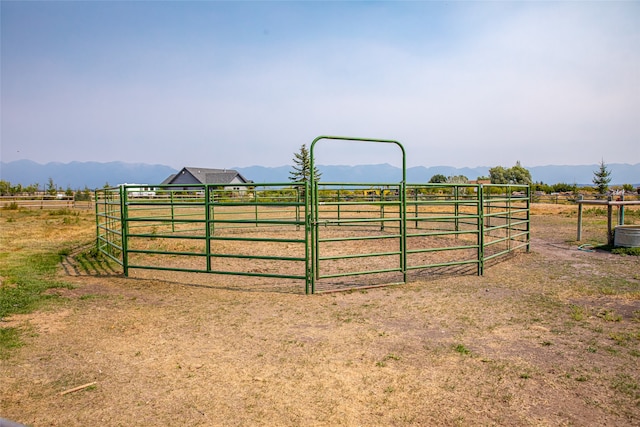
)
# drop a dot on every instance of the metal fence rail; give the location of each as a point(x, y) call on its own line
point(443, 218)
point(351, 229)
point(109, 224)
point(360, 212)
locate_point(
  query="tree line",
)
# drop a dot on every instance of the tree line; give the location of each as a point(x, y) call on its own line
point(51, 189)
point(516, 175)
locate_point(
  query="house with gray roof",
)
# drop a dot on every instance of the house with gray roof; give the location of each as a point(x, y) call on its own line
point(225, 178)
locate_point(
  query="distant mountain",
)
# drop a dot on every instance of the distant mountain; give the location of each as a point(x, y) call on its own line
point(77, 175)
point(582, 175)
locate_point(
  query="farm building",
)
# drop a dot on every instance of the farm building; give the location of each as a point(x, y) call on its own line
point(223, 177)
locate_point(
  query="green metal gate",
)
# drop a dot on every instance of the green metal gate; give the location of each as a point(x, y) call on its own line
point(375, 214)
point(332, 236)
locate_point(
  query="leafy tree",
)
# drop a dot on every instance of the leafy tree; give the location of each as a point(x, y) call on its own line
point(301, 169)
point(457, 179)
point(438, 178)
point(519, 174)
point(32, 189)
point(498, 175)
point(514, 175)
point(602, 178)
point(562, 187)
point(5, 188)
point(628, 188)
point(68, 192)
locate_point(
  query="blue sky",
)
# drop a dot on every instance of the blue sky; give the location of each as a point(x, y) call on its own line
point(224, 84)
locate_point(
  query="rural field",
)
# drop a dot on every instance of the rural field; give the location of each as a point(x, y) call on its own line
point(545, 338)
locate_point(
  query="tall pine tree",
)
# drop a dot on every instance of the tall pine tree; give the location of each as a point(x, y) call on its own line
point(301, 169)
point(602, 178)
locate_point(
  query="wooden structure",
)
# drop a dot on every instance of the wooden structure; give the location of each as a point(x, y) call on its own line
point(609, 204)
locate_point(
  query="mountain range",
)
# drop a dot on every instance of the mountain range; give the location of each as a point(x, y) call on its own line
point(77, 175)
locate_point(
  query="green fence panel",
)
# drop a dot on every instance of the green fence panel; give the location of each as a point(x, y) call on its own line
point(321, 233)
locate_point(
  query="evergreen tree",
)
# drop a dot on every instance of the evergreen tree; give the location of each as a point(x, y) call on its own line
point(602, 178)
point(52, 190)
point(301, 169)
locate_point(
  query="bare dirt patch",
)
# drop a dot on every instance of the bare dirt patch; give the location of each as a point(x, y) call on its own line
point(551, 337)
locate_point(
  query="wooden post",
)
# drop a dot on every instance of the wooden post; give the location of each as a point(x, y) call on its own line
point(609, 228)
point(579, 222)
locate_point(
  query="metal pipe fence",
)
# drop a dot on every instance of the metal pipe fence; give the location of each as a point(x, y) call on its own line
point(327, 234)
point(350, 232)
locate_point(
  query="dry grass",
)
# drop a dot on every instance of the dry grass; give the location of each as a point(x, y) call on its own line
point(546, 338)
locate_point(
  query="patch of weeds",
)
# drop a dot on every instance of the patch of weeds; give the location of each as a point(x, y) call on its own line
point(348, 316)
point(612, 350)
point(609, 315)
point(636, 316)
point(13, 206)
point(626, 251)
point(578, 313)
point(525, 375)
point(634, 353)
point(9, 340)
point(607, 290)
point(30, 278)
point(620, 250)
point(460, 348)
point(546, 343)
point(67, 220)
point(626, 384)
point(582, 378)
point(623, 338)
point(591, 349)
point(391, 356)
point(64, 252)
point(62, 212)
point(90, 297)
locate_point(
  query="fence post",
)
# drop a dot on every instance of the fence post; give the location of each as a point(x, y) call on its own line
point(480, 211)
point(403, 228)
point(456, 210)
point(579, 236)
point(207, 221)
point(528, 227)
point(124, 212)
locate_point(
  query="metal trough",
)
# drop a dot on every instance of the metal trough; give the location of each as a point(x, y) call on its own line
point(627, 236)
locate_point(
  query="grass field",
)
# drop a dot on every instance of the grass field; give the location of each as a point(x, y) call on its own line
point(546, 338)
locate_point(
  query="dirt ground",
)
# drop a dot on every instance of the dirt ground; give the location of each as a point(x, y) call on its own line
point(550, 337)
